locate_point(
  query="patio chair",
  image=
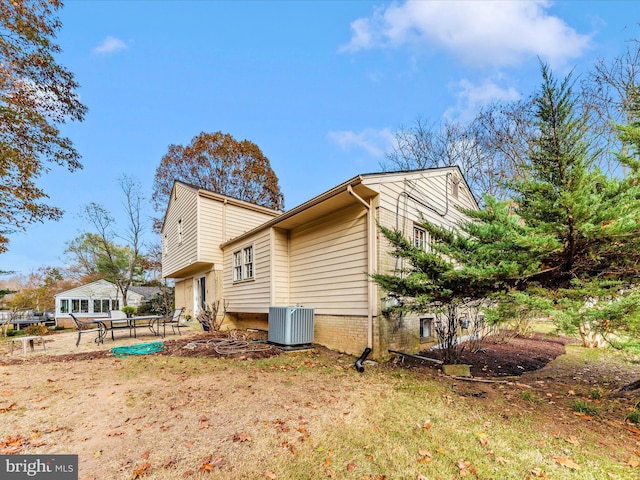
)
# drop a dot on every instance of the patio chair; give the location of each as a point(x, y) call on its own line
point(173, 320)
point(117, 321)
point(86, 327)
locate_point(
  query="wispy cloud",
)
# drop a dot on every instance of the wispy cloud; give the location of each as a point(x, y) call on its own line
point(110, 45)
point(472, 97)
point(375, 142)
point(494, 33)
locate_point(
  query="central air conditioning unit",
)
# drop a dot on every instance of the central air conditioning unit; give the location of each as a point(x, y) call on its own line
point(290, 325)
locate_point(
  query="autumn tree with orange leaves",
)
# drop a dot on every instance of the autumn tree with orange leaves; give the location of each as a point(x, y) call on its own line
point(36, 96)
point(221, 164)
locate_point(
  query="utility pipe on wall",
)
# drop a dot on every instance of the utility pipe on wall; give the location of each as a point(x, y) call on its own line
point(371, 261)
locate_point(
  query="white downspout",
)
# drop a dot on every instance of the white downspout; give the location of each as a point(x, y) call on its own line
point(371, 261)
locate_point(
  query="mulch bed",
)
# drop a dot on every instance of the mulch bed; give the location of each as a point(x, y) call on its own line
point(511, 357)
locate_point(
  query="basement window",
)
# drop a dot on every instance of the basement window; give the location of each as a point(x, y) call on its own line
point(426, 329)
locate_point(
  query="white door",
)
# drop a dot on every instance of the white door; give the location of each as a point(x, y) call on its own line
point(200, 301)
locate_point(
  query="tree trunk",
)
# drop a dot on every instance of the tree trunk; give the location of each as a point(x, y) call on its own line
point(591, 338)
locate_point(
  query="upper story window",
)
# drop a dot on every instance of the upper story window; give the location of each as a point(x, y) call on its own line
point(420, 238)
point(243, 264)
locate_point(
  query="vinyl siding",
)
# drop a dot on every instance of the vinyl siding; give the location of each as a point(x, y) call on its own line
point(328, 263)
point(399, 211)
point(182, 206)
point(211, 224)
point(251, 296)
point(240, 220)
point(220, 222)
point(206, 223)
point(280, 271)
point(433, 190)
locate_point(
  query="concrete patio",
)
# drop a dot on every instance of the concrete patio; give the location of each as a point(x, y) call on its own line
point(64, 342)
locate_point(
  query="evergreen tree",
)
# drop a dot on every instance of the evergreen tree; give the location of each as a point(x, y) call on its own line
point(567, 244)
point(591, 221)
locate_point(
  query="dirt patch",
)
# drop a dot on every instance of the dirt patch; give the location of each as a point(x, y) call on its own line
point(244, 345)
point(164, 416)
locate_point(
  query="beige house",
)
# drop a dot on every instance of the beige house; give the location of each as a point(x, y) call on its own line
point(316, 255)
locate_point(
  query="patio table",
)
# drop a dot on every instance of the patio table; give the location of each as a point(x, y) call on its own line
point(144, 321)
point(109, 324)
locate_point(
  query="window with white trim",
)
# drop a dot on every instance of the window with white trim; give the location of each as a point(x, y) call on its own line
point(104, 305)
point(420, 238)
point(243, 264)
point(79, 305)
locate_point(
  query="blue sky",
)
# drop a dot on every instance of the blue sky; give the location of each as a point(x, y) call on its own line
point(319, 86)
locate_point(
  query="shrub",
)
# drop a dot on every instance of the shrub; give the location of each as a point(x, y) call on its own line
point(36, 329)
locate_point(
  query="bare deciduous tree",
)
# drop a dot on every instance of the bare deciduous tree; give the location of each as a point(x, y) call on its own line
point(123, 265)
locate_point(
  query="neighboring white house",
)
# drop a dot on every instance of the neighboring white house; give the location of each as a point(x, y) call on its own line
point(317, 255)
point(95, 299)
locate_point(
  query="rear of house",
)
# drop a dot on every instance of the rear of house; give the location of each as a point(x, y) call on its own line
point(196, 223)
point(319, 255)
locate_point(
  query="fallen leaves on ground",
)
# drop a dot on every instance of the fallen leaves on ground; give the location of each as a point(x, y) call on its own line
point(425, 456)
point(635, 432)
point(6, 409)
point(567, 462)
point(242, 437)
point(588, 418)
point(573, 441)
point(11, 445)
point(538, 473)
point(141, 470)
point(465, 468)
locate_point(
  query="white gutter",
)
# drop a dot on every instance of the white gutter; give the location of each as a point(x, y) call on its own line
point(371, 261)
